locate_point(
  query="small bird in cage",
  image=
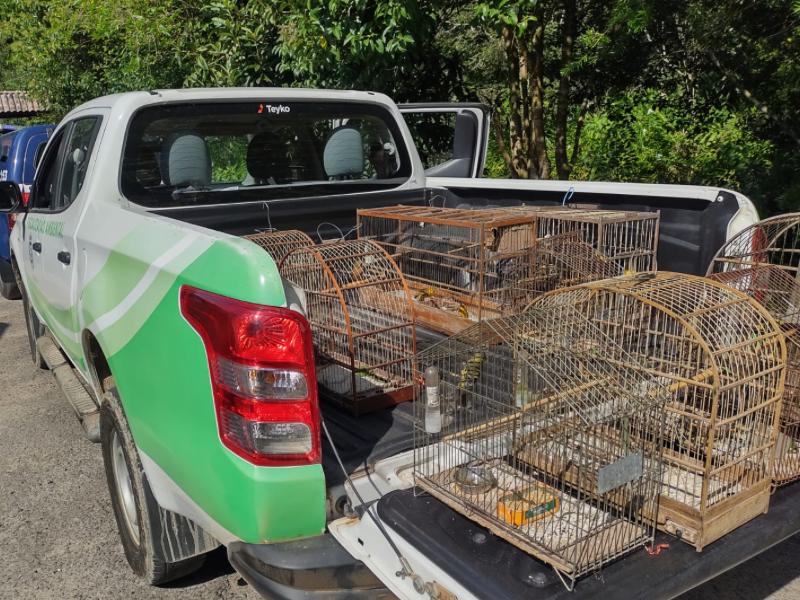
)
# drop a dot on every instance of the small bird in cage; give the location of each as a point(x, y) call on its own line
point(471, 371)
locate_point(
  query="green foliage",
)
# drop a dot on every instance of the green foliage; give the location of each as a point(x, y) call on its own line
point(699, 91)
point(646, 137)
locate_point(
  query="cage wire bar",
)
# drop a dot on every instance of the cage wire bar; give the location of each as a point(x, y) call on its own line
point(550, 437)
point(362, 322)
point(723, 358)
point(763, 261)
point(280, 243)
point(626, 241)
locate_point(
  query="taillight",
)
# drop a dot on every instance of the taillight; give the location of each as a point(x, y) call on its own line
point(12, 218)
point(262, 372)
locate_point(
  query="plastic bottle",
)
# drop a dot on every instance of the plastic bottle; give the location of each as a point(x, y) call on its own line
point(433, 412)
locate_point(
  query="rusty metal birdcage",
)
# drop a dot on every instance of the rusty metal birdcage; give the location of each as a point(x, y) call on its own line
point(623, 241)
point(462, 265)
point(362, 324)
point(545, 431)
point(763, 261)
point(280, 243)
point(723, 358)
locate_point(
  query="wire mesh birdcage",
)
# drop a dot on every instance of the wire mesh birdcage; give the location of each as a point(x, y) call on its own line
point(462, 265)
point(545, 431)
point(723, 358)
point(626, 239)
point(362, 324)
point(763, 261)
point(280, 243)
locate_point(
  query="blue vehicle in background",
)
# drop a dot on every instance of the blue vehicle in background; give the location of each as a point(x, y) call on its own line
point(20, 151)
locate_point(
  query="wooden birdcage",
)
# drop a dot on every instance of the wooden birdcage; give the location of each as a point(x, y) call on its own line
point(462, 265)
point(548, 434)
point(626, 239)
point(362, 322)
point(280, 243)
point(763, 261)
point(723, 358)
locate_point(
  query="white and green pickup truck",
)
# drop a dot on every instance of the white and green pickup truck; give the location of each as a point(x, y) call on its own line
point(169, 333)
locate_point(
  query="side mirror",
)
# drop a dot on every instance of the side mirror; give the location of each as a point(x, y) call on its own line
point(10, 198)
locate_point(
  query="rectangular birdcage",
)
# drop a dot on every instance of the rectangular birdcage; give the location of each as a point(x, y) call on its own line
point(546, 432)
point(723, 359)
point(462, 265)
point(622, 241)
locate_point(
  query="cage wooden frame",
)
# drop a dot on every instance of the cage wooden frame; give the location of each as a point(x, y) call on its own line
point(548, 405)
point(626, 239)
point(723, 357)
point(362, 322)
point(279, 243)
point(763, 261)
point(462, 265)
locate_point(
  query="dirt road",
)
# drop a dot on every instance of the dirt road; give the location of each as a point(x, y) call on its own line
point(58, 533)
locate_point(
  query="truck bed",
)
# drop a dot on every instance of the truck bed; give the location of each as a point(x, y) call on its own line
point(490, 567)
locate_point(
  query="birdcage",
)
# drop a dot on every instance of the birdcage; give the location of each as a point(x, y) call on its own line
point(628, 240)
point(361, 318)
point(722, 357)
point(462, 265)
point(280, 243)
point(545, 431)
point(763, 261)
point(565, 259)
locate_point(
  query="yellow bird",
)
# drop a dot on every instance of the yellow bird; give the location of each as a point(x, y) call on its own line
point(463, 312)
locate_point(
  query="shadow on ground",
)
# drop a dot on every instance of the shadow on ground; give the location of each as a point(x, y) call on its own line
point(216, 565)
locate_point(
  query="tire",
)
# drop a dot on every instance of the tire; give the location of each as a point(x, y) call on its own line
point(35, 330)
point(139, 518)
point(9, 291)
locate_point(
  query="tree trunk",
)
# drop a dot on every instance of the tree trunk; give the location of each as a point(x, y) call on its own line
point(563, 166)
point(538, 147)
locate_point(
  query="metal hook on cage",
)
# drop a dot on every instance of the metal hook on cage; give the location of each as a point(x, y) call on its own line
point(568, 196)
point(265, 206)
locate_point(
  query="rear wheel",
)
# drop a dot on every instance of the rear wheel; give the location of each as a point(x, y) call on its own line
point(35, 329)
point(139, 518)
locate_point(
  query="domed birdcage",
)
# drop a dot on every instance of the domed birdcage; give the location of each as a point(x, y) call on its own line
point(280, 243)
point(546, 432)
point(361, 318)
point(722, 356)
point(763, 261)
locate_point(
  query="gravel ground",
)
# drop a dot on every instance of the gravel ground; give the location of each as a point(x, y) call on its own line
point(58, 534)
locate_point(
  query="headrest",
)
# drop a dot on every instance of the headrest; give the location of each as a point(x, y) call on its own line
point(188, 160)
point(267, 157)
point(344, 153)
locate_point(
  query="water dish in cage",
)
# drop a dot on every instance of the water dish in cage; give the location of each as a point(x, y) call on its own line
point(722, 358)
point(474, 478)
point(763, 261)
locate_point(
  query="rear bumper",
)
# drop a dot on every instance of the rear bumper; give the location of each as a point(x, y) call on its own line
point(316, 567)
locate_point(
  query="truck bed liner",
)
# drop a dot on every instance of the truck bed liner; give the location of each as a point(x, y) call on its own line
point(492, 568)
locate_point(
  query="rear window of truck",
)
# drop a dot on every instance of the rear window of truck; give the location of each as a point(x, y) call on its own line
point(213, 153)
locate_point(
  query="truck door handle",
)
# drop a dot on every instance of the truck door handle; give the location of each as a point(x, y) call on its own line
point(64, 257)
point(37, 247)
